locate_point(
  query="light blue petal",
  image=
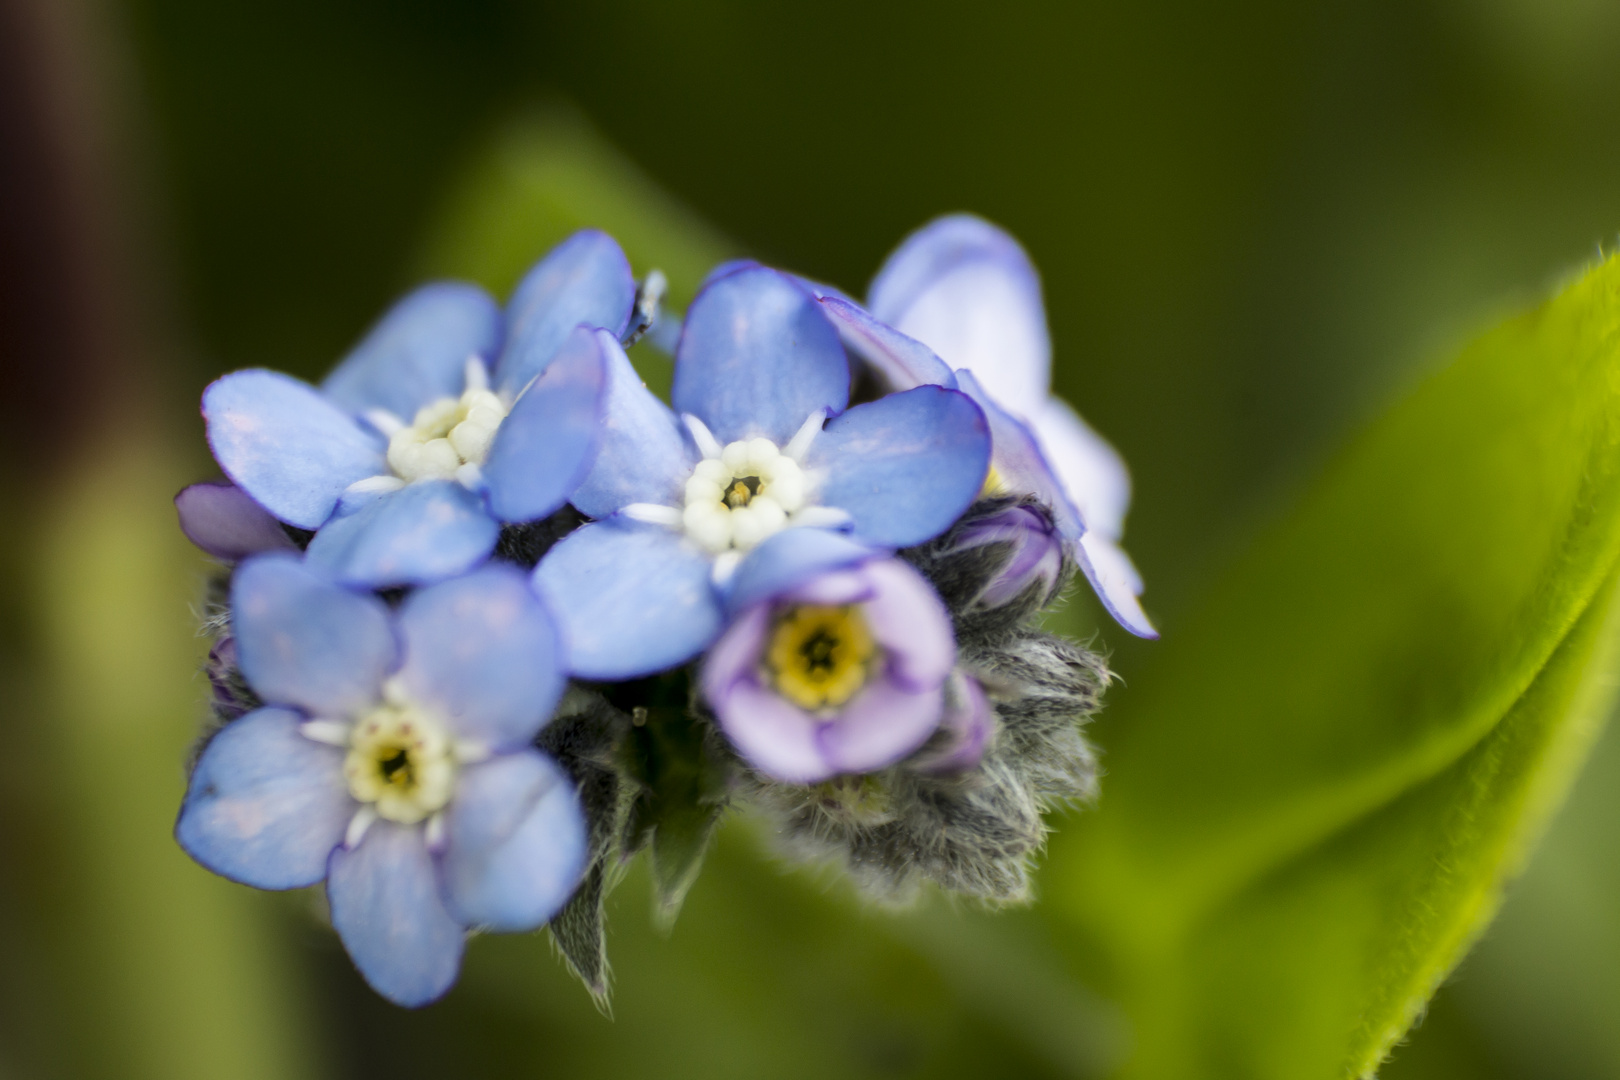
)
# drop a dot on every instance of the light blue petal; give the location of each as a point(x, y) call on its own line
point(899, 361)
point(644, 455)
point(515, 842)
point(483, 648)
point(631, 599)
point(1092, 472)
point(966, 289)
point(417, 352)
point(302, 640)
point(585, 280)
point(821, 291)
point(786, 561)
point(1116, 582)
point(266, 806)
point(387, 909)
point(904, 466)
point(286, 445)
point(424, 532)
point(1021, 467)
point(757, 357)
point(545, 446)
point(726, 269)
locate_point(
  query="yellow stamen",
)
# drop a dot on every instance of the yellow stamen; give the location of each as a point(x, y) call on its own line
point(819, 656)
point(993, 485)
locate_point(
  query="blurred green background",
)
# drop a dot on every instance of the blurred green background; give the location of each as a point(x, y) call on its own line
point(1256, 223)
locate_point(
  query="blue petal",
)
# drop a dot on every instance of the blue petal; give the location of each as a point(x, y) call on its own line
point(643, 456)
point(302, 640)
point(901, 362)
point(424, 532)
point(266, 806)
point(483, 648)
point(757, 357)
point(1021, 467)
point(904, 466)
point(585, 280)
point(1116, 582)
point(631, 599)
point(966, 289)
point(821, 290)
point(515, 842)
point(224, 521)
point(286, 445)
point(786, 561)
point(726, 269)
point(387, 908)
point(1092, 472)
point(417, 352)
point(545, 446)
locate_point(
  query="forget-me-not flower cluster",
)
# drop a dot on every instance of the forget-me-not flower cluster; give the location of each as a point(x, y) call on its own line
point(483, 594)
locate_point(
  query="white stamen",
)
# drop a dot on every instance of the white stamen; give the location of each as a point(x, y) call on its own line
point(707, 444)
point(471, 477)
point(470, 751)
point(800, 443)
point(725, 564)
point(384, 421)
point(745, 493)
point(330, 732)
point(709, 524)
point(358, 825)
point(434, 833)
point(653, 514)
point(477, 374)
point(374, 485)
point(822, 517)
point(449, 433)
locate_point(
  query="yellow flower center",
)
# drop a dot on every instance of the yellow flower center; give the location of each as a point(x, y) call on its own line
point(400, 760)
point(819, 656)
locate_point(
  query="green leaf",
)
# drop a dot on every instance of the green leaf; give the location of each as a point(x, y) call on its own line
point(682, 772)
point(583, 738)
point(579, 931)
point(1319, 784)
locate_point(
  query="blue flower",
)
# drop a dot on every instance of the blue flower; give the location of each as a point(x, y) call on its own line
point(836, 661)
point(392, 759)
point(681, 500)
point(961, 294)
point(413, 451)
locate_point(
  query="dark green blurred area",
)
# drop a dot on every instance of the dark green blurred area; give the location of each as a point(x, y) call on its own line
point(1255, 221)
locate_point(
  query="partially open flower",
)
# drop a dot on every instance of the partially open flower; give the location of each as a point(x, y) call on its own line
point(224, 521)
point(959, 304)
point(835, 663)
point(1035, 560)
point(393, 760)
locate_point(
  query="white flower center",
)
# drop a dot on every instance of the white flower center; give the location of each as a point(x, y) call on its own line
point(447, 435)
point(401, 762)
point(743, 496)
